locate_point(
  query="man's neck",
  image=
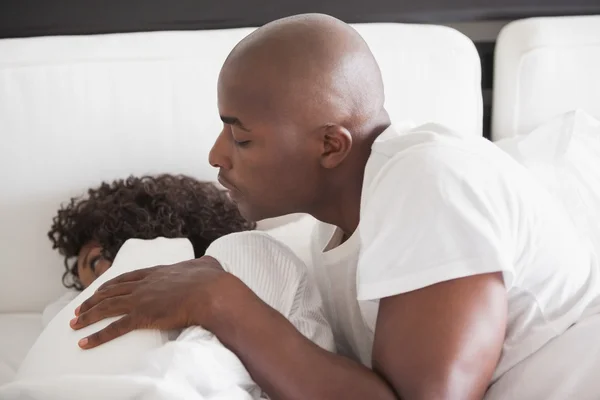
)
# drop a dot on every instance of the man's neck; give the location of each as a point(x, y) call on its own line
point(341, 206)
point(343, 194)
point(343, 212)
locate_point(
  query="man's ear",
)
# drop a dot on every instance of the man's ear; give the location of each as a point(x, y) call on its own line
point(337, 143)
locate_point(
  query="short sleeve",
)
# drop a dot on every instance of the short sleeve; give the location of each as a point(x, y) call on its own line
point(430, 218)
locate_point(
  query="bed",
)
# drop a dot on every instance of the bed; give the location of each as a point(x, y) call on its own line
point(75, 110)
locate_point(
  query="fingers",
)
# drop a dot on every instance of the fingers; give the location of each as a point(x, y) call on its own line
point(110, 307)
point(210, 262)
point(106, 293)
point(114, 330)
point(127, 277)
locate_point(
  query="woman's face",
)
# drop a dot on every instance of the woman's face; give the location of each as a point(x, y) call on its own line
point(90, 263)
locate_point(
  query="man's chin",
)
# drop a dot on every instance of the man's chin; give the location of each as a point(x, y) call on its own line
point(252, 214)
point(247, 212)
point(255, 214)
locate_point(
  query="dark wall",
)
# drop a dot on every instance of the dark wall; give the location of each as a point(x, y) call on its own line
point(19, 18)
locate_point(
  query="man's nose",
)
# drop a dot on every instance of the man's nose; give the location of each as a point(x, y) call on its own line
point(218, 156)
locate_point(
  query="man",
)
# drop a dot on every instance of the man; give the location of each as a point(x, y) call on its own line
point(462, 266)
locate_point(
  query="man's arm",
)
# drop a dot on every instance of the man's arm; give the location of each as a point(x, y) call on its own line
point(439, 342)
point(443, 341)
point(283, 362)
point(280, 359)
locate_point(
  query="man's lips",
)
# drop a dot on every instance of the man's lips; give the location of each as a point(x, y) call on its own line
point(228, 185)
point(224, 182)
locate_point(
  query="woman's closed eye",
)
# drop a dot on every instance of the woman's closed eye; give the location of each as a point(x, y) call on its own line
point(94, 264)
point(91, 263)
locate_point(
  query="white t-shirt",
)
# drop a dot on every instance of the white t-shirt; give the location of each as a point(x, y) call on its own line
point(436, 207)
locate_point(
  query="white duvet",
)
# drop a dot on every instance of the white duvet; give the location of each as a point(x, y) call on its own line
point(146, 365)
point(196, 366)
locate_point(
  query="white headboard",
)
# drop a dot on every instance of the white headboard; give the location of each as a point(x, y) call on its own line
point(78, 110)
point(545, 67)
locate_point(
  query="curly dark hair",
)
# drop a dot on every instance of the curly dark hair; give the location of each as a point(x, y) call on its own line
point(148, 207)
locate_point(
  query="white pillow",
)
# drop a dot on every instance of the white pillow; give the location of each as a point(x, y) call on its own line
point(56, 352)
point(564, 154)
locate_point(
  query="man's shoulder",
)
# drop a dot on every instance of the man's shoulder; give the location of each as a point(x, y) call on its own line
point(394, 144)
point(433, 161)
point(427, 152)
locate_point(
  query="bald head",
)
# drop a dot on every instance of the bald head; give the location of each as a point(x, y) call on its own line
point(309, 69)
point(301, 100)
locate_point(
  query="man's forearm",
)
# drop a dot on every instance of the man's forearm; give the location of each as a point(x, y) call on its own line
point(282, 361)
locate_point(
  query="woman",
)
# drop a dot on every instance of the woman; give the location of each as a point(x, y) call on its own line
point(89, 232)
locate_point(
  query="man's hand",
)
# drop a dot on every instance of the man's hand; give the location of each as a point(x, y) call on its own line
point(163, 297)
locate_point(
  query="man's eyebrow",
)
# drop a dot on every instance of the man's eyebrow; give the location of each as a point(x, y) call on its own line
point(233, 121)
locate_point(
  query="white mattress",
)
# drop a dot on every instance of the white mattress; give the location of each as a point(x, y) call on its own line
point(545, 67)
